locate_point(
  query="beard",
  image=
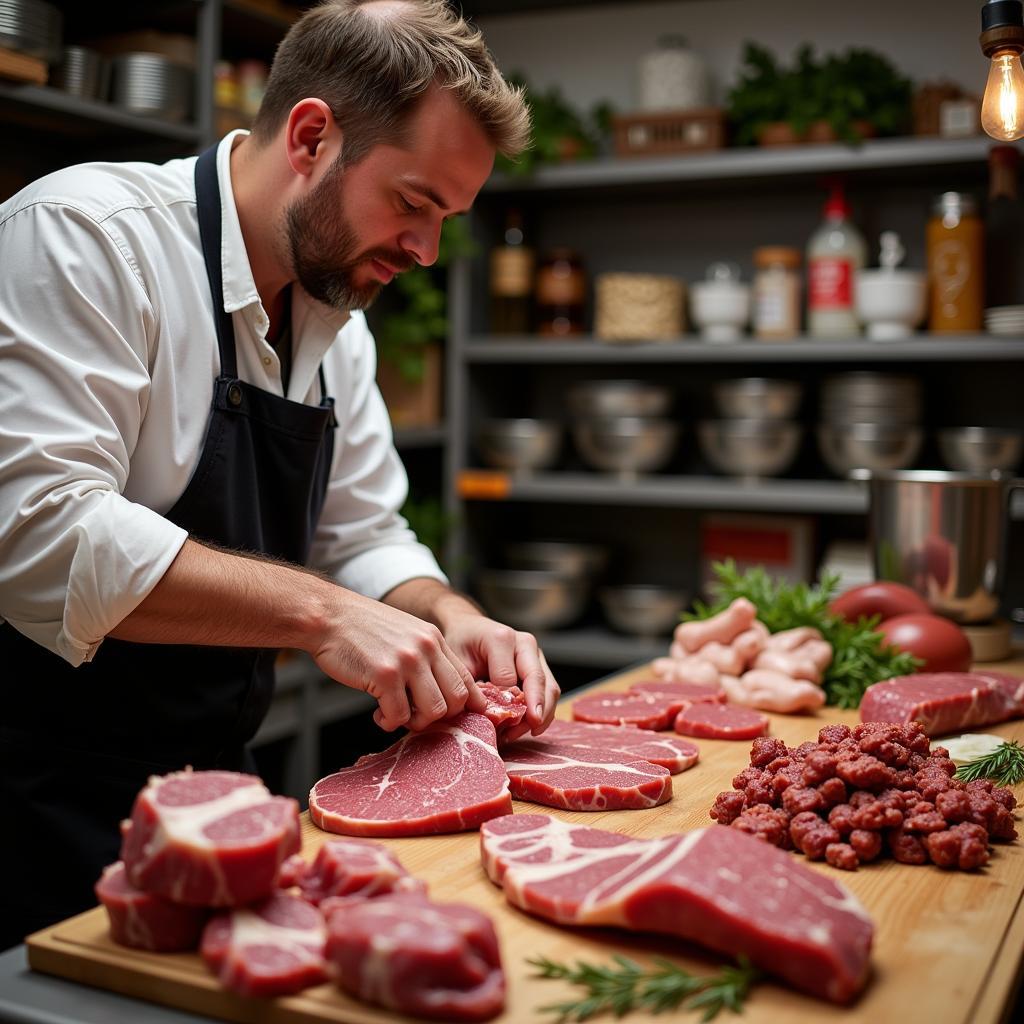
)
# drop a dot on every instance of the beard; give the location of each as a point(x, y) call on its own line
point(324, 249)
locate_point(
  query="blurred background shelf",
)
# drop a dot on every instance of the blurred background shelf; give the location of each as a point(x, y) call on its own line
point(420, 437)
point(599, 647)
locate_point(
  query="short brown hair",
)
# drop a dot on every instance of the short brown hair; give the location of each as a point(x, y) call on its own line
point(372, 68)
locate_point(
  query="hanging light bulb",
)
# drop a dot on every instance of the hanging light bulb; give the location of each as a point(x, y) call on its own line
point(1002, 39)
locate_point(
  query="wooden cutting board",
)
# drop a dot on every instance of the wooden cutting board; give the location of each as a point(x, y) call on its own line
point(948, 945)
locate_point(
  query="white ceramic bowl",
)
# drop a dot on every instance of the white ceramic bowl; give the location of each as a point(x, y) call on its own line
point(890, 303)
point(720, 309)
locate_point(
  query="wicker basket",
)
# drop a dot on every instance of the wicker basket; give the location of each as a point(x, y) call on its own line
point(639, 307)
point(680, 131)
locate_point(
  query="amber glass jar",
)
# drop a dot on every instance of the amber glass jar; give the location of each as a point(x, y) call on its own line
point(560, 293)
point(956, 272)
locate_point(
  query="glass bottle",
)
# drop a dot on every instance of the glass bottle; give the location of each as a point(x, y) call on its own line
point(776, 292)
point(511, 279)
point(956, 276)
point(835, 253)
point(1004, 230)
point(561, 293)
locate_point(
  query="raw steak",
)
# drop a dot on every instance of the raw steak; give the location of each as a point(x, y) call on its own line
point(644, 710)
point(437, 960)
point(944, 702)
point(715, 886)
point(506, 706)
point(688, 691)
point(581, 780)
point(145, 921)
point(213, 839)
point(354, 868)
point(721, 722)
point(447, 778)
point(623, 742)
point(273, 948)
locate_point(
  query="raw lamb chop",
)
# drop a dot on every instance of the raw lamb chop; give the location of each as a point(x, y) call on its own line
point(354, 868)
point(623, 742)
point(143, 920)
point(945, 702)
point(213, 839)
point(447, 778)
point(436, 960)
point(717, 887)
point(655, 711)
point(580, 780)
point(273, 948)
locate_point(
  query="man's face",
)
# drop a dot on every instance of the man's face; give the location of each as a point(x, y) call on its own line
point(359, 226)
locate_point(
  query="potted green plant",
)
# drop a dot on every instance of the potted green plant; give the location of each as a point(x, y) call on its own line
point(846, 97)
point(409, 332)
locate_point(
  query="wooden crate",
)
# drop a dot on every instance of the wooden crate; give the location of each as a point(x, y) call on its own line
point(679, 131)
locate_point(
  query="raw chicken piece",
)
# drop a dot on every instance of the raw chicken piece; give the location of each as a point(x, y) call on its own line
point(723, 627)
point(773, 691)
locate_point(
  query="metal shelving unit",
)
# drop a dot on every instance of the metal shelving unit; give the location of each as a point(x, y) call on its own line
point(407, 438)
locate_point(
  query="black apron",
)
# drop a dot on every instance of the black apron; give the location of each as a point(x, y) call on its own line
point(77, 744)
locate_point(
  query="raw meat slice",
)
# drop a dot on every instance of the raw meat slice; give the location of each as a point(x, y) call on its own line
point(715, 886)
point(688, 691)
point(357, 868)
point(623, 742)
point(447, 778)
point(944, 702)
point(213, 839)
point(506, 706)
point(653, 711)
point(580, 780)
point(143, 920)
point(721, 722)
point(436, 960)
point(273, 948)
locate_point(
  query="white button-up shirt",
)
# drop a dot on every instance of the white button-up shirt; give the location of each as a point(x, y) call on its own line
point(108, 355)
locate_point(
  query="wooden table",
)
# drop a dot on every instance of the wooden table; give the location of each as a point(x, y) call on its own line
point(948, 945)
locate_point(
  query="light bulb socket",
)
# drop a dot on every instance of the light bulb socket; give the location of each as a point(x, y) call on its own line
point(1002, 14)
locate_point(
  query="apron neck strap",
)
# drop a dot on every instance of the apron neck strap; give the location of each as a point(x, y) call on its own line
point(209, 211)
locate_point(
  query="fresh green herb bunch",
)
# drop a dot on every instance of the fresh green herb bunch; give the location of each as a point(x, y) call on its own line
point(629, 986)
point(860, 655)
point(1004, 766)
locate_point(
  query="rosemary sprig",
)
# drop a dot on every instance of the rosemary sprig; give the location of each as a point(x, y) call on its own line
point(1004, 766)
point(630, 986)
point(860, 654)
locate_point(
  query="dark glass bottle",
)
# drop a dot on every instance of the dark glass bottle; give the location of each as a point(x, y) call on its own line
point(1004, 230)
point(511, 280)
point(561, 293)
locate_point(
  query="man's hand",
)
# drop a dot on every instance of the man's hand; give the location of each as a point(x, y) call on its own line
point(490, 650)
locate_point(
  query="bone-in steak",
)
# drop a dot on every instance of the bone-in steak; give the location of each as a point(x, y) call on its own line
point(717, 887)
point(447, 778)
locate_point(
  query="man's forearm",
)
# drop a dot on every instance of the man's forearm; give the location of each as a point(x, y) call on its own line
point(218, 598)
point(430, 600)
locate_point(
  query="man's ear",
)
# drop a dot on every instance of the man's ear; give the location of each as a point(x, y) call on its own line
point(312, 136)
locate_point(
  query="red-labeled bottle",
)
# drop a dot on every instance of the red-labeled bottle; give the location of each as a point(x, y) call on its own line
point(835, 253)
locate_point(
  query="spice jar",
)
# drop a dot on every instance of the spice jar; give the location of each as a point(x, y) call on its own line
point(561, 292)
point(956, 279)
point(776, 292)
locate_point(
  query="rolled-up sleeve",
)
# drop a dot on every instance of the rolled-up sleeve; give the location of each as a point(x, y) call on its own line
point(76, 557)
point(362, 540)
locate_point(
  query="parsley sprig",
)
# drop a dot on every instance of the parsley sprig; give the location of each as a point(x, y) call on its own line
point(860, 655)
point(630, 986)
point(1004, 766)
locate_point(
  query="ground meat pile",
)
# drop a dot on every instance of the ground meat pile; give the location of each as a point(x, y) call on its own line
point(858, 794)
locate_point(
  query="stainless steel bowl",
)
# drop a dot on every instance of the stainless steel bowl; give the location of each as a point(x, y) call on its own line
point(579, 561)
point(152, 85)
point(642, 609)
point(750, 448)
point(757, 398)
point(520, 445)
point(82, 72)
point(981, 449)
point(626, 445)
point(533, 599)
point(874, 446)
point(601, 398)
point(31, 27)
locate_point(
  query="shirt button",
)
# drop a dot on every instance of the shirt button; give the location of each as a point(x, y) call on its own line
point(267, 360)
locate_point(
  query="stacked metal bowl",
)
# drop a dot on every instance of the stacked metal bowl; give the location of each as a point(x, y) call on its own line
point(870, 421)
point(622, 426)
point(31, 27)
point(152, 85)
point(755, 434)
point(519, 445)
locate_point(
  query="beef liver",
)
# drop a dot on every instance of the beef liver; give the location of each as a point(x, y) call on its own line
point(717, 887)
point(213, 839)
point(447, 778)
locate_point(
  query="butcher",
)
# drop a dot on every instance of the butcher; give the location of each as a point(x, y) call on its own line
point(196, 467)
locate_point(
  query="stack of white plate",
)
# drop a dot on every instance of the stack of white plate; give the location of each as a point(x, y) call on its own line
point(32, 27)
point(1005, 320)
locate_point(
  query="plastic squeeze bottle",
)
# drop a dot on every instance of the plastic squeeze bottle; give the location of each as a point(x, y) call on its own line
point(835, 253)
